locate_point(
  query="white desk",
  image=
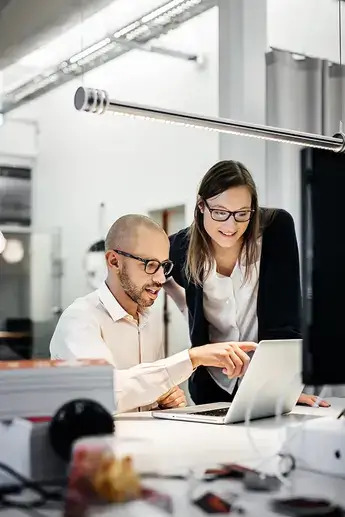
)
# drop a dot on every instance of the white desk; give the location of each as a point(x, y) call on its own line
point(188, 444)
point(158, 444)
point(191, 444)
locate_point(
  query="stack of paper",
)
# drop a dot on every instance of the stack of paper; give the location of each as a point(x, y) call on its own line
point(39, 388)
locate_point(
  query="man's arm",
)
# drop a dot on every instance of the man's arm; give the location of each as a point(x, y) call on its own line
point(79, 337)
point(145, 383)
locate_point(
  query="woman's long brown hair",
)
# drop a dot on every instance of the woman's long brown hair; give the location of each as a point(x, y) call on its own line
point(200, 256)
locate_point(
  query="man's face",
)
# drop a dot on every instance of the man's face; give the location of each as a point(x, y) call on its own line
point(141, 286)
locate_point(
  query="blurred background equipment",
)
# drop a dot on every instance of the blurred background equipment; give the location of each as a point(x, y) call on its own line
point(94, 263)
point(37, 432)
point(15, 195)
point(2, 242)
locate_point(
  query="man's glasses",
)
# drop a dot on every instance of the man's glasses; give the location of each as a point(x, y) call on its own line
point(151, 265)
point(218, 214)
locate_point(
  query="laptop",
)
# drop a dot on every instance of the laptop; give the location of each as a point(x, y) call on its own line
point(272, 382)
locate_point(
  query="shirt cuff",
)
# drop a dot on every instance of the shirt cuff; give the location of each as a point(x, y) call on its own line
point(179, 367)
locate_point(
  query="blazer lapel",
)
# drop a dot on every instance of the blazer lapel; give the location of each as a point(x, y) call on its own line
point(199, 330)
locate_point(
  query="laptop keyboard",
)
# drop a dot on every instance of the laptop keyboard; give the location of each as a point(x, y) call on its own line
point(213, 412)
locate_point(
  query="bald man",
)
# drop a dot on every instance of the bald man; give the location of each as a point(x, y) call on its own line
point(115, 323)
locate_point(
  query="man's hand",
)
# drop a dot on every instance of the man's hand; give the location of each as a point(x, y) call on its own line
point(229, 356)
point(311, 400)
point(174, 398)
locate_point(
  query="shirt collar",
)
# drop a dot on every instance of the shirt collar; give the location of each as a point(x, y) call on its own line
point(110, 303)
point(114, 308)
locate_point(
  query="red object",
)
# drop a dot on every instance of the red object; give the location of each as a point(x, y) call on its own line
point(38, 419)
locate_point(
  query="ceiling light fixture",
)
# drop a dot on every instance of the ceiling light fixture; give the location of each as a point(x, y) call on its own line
point(13, 251)
point(90, 50)
point(161, 10)
point(97, 101)
point(135, 35)
point(127, 29)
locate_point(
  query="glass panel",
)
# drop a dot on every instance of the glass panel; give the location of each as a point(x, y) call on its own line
point(30, 279)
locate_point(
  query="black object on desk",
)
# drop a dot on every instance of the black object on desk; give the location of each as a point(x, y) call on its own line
point(78, 419)
point(261, 482)
point(307, 507)
point(228, 470)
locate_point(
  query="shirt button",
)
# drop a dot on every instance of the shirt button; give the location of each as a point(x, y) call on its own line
point(129, 317)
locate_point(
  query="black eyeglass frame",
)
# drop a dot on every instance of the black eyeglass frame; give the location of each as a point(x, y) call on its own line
point(211, 210)
point(146, 261)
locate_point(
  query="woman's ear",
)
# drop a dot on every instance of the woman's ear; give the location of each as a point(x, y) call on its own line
point(201, 206)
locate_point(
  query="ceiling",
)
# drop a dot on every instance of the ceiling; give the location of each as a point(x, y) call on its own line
point(27, 24)
point(58, 44)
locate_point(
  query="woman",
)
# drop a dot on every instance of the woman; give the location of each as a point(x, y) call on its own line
point(236, 269)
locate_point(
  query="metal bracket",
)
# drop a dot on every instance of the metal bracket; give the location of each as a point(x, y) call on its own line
point(147, 47)
point(342, 137)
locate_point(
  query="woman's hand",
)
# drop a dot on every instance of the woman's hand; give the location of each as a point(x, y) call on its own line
point(311, 400)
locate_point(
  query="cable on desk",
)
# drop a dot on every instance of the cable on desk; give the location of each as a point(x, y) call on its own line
point(287, 471)
point(32, 512)
point(300, 427)
point(283, 474)
point(248, 415)
point(44, 495)
point(341, 415)
point(278, 414)
point(251, 439)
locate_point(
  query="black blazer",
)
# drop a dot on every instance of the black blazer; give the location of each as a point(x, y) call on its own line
point(278, 303)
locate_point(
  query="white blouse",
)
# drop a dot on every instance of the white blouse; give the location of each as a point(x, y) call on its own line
point(230, 307)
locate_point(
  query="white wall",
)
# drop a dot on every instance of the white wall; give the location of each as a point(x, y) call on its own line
point(132, 166)
point(18, 142)
point(86, 159)
point(307, 27)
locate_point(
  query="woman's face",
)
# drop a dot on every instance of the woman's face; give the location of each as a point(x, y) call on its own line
point(227, 233)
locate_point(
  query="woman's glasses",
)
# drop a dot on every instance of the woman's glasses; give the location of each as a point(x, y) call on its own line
point(218, 214)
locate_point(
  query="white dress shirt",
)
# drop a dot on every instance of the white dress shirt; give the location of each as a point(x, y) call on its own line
point(230, 307)
point(96, 326)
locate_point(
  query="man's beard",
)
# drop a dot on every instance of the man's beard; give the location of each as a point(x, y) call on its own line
point(134, 292)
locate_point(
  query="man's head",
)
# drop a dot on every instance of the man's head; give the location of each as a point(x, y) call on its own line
point(137, 251)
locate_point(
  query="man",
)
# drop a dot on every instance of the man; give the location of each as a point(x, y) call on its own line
point(115, 323)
